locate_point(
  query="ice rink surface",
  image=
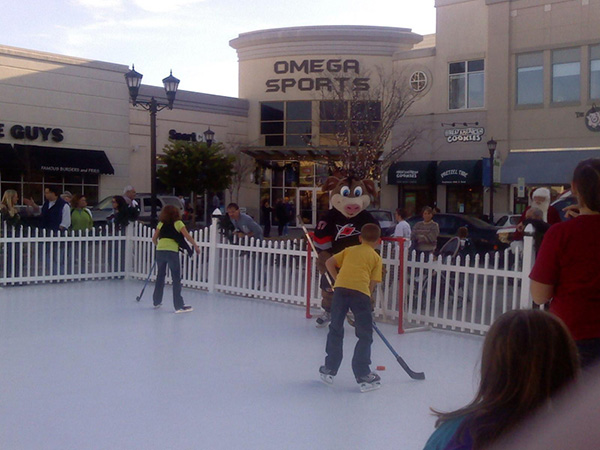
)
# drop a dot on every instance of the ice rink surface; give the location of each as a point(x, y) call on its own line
point(85, 366)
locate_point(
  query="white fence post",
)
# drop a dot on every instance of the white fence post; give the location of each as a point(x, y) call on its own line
point(129, 250)
point(212, 255)
point(527, 265)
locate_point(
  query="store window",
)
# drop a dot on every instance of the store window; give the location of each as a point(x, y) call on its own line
point(530, 79)
point(595, 72)
point(286, 124)
point(466, 84)
point(33, 184)
point(350, 122)
point(461, 199)
point(566, 75)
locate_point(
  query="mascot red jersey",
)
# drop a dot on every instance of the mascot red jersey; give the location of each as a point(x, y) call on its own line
point(340, 227)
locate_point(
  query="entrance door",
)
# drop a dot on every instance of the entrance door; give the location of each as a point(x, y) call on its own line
point(306, 206)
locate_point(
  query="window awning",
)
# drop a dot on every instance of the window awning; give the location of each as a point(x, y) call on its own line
point(52, 159)
point(459, 172)
point(412, 172)
point(543, 167)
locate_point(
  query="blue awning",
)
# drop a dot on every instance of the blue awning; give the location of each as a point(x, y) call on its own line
point(543, 167)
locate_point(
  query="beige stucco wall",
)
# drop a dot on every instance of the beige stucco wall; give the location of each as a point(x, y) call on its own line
point(86, 99)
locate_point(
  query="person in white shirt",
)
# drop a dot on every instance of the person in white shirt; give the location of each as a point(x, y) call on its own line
point(402, 227)
point(129, 196)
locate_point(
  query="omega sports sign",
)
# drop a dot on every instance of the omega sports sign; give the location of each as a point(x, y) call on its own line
point(330, 67)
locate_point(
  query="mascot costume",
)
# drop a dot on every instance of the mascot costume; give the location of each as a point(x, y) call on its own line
point(340, 227)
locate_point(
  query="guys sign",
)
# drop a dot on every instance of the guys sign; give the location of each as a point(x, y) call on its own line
point(331, 67)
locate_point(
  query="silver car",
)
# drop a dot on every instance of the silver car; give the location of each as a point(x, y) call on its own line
point(103, 209)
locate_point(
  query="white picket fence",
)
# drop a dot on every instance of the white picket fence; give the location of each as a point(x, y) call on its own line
point(462, 295)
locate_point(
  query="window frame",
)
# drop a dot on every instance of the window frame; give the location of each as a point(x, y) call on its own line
point(554, 66)
point(466, 75)
point(284, 136)
point(525, 65)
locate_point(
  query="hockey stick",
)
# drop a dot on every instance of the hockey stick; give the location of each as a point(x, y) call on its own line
point(414, 375)
point(139, 297)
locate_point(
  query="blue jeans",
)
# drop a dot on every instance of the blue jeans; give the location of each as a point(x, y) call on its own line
point(360, 304)
point(166, 258)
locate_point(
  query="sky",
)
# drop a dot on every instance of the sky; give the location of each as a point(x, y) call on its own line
point(189, 37)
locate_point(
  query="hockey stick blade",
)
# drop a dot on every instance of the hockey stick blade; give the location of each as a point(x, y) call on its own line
point(411, 373)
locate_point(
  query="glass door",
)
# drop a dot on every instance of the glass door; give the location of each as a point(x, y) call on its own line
point(306, 202)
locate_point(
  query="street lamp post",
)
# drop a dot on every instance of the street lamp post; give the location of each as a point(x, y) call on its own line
point(491, 144)
point(134, 80)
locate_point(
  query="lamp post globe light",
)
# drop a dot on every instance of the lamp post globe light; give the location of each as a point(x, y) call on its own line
point(134, 80)
point(491, 144)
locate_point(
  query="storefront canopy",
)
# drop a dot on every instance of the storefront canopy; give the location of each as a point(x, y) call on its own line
point(459, 172)
point(412, 172)
point(543, 167)
point(51, 159)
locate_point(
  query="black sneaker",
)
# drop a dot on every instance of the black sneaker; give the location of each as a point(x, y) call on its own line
point(184, 309)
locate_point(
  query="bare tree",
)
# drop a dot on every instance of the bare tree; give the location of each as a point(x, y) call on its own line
point(356, 119)
point(243, 166)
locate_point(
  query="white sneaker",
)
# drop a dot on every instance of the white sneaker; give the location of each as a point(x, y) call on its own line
point(323, 319)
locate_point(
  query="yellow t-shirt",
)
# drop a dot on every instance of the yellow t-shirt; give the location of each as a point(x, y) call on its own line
point(168, 243)
point(359, 265)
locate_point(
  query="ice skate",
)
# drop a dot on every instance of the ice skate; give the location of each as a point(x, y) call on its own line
point(369, 382)
point(326, 375)
point(184, 309)
point(323, 319)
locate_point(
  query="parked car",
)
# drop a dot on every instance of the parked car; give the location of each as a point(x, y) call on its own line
point(508, 220)
point(103, 209)
point(482, 235)
point(385, 219)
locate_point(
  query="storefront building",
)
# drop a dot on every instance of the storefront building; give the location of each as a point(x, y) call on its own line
point(525, 73)
point(68, 122)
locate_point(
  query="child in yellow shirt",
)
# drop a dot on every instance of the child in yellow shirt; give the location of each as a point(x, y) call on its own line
point(356, 271)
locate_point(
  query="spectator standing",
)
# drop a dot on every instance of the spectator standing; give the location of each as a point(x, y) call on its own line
point(121, 212)
point(290, 209)
point(67, 196)
point(56, 213)
point(10, 215)
point(129, 193)
point(266, 212)
point(81, 216)
point(566, 272)
point(424, 234)
point(402, 227)
point(56, 216)
point(167, 236)
point(281, 215)
point(243, 223)
point(8, 208)
point(534, 224)
point(528, 358)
